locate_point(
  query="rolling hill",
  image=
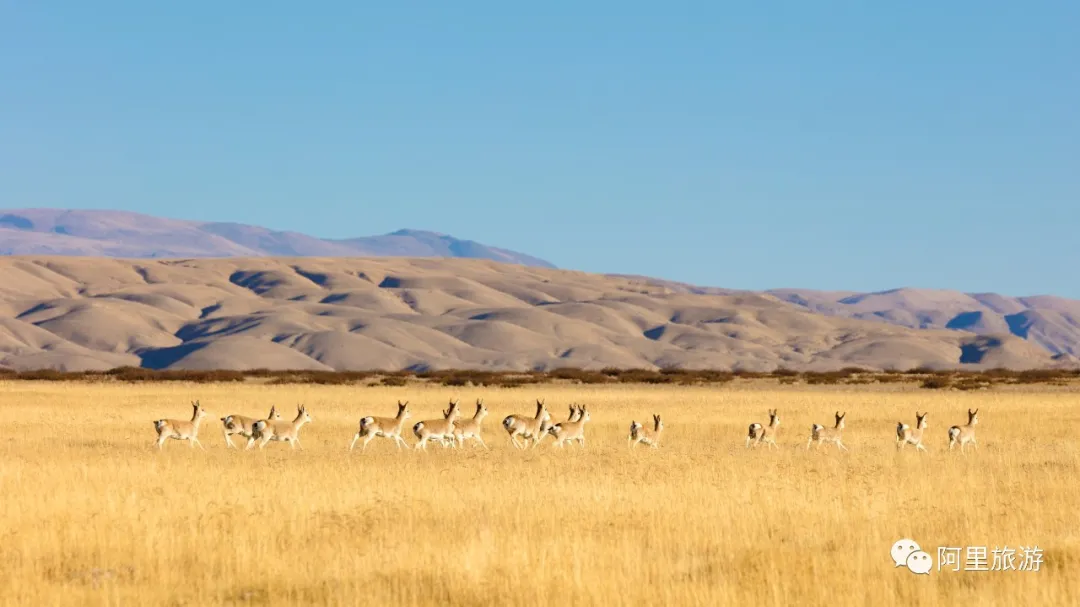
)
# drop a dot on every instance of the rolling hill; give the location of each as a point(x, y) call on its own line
point(133, 235)
point(1050, 322)
point(1047, 322)
point(74, 313)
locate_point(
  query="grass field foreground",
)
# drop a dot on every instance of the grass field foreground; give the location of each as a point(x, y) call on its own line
point(92, 514)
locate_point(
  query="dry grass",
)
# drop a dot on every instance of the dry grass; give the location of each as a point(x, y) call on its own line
point(92, 514)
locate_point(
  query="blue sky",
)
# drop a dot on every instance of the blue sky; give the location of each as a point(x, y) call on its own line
point(833, 145)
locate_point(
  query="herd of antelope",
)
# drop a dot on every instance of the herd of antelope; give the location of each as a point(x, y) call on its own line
point(453, 431)
point(905, 434)
point(450, 430)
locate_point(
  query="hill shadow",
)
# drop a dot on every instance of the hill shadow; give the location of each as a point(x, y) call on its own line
point(1019, 324)
point(161, 358)
point(974, 352)
point(17, 222)
point(655, 333)
point(964, 320)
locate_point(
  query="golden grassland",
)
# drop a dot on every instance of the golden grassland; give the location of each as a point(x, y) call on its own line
point(92, 514)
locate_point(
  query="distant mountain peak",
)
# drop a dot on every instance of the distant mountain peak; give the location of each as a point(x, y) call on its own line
point(104, 233)
point(418, 233)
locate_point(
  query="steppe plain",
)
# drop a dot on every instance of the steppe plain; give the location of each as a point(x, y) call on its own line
point(93, 514)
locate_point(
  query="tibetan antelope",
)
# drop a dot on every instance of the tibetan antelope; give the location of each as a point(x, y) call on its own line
point(528, 428)
point(182, 429)
point(470, 428)
point(905, 435)
point(764, 434)
point(266, 430)
point(545, 426)
point(575, 413)
point(571, 430)
point(964, 434)
point(441, 430)
point(372, 427)
point(241, 424)
point(821, 434)
point(649, 436)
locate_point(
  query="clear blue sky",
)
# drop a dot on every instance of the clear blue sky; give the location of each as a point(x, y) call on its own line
point(833, 145)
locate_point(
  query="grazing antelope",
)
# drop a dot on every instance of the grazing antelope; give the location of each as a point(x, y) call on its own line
point(372, 427)
point(640, 434)
point(571, 430)
point(528, 428)
point(265, 430)
point(181, 429)
point(470, 428)
point(241, 424)
point(441, 430)
point(905, 435)
point(821, 434)
point(964, 434)
point(764, 434)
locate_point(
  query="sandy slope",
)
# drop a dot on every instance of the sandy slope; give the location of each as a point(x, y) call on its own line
point(393, 313)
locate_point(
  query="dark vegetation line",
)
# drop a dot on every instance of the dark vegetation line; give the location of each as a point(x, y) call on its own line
point(928, 379)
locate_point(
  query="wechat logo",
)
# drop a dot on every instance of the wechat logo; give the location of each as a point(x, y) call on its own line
point(907, 553)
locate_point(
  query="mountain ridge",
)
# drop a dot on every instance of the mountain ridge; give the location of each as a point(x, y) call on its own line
point(125, 234)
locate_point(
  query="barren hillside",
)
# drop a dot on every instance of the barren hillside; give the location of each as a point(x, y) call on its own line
point(322, 313)
point(1050, 322)
point(1047, 321)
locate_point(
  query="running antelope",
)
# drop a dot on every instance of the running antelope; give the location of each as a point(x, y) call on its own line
point(441, 430)
point(964, 434)
point(571, 430)
point(470, 428)
point(181, 429)
point(575, 413)
point(545, 426)
point(372, 427)
point(905, 435)
point(241, 424)
point(764, 434)
point(528, 428)
point(640, 434)
point(821, 434)
point(266, 430)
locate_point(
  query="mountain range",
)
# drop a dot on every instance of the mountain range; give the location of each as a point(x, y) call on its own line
point(134, 235)
point(164, 304)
